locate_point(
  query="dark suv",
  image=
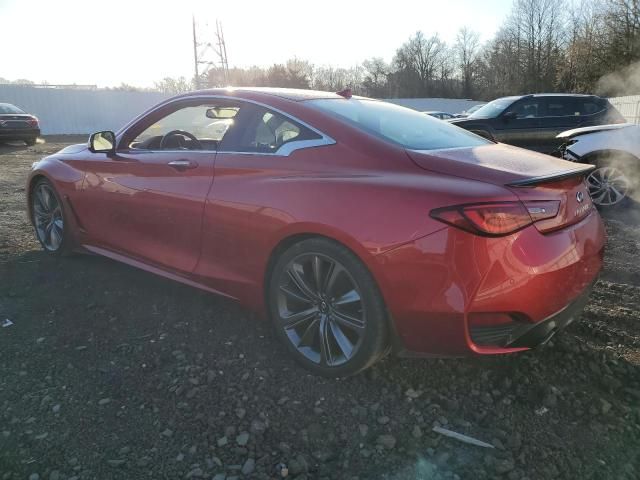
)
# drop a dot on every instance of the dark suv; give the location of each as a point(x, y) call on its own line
point(533, 121)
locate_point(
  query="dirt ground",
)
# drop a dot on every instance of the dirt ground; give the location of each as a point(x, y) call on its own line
point(112, 373)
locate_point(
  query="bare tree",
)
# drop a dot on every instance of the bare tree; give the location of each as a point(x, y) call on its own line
point(466, 50)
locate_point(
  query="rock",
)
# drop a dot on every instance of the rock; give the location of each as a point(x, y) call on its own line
point(34, 476)
point(323, 455)
point(54, 475)
point(606, 406)
point(195, 473)
point(222, 441)
point(242, 439)
point(496, 442)
point(416, 432)
point(56, 408)
point(411, 393)
point(383, 420)
point(282, 470)
point(504, 466)
point(387, 441)
point(442, 458)
point(364, 429)
point(301, 465)
point(167, 433)
point(249, 466)
point(104, 401)
point(116, 462)
point(550, 400)
point(258, 426)
point(219, 476)
point(240, 413)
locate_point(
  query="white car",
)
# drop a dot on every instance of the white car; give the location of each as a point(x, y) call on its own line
point(615, 151)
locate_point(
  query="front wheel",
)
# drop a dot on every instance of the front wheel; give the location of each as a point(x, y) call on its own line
point(48, 216)
point(327, 308)
point(608, 186)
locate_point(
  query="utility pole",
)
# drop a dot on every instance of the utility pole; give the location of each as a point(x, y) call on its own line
point(211, 55)
point(222, 51)
point(196, 77)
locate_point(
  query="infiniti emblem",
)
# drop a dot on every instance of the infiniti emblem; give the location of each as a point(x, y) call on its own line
point(580, 197)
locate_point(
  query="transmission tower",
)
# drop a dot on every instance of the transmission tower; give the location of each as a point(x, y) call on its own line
point(209, 55)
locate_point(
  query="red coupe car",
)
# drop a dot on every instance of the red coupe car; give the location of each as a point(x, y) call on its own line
point(359, 227)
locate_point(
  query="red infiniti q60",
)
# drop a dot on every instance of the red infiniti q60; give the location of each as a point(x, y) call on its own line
point(359, 227)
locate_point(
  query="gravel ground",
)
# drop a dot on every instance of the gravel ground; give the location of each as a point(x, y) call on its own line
point(112, 373)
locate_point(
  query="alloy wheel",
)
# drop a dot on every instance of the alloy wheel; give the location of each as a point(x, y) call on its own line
point(607, 186)
point(47, 217)
point(320, 309)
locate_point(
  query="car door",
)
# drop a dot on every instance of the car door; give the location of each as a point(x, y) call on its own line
point(518, 124)
point(561, 113)
point(261, 148)
point(146, 201)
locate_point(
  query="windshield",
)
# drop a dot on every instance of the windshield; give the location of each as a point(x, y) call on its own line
point(408, 128)
point(493, 109)
point(7, 108)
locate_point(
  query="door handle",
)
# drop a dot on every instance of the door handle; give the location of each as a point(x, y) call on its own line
point(182, 164)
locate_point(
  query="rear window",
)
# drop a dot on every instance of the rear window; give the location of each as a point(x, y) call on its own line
point(405, 127)
point(6, 108)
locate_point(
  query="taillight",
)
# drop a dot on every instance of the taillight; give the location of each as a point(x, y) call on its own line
point(498, 218)
point(33, 121)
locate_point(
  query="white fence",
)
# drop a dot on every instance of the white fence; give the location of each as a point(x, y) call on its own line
point(75, 111)
point(628, 106)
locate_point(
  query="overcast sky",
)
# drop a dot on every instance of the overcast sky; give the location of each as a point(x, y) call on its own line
point(141, 41)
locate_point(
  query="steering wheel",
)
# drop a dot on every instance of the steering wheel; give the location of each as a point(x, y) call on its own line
point(179, 134)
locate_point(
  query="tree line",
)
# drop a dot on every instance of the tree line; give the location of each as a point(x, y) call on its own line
point(584, 46)
point(580, 46)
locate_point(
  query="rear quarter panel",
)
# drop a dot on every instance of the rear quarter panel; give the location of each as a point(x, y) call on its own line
point(257, 202)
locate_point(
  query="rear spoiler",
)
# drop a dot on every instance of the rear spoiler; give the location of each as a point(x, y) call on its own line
point(554, 177)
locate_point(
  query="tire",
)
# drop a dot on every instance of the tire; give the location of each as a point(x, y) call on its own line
point(50, 219)
point(347, 307)
point(31, 141)
point(609, 184)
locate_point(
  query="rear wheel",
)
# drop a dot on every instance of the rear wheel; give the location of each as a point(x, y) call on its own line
point(48, 216)
point(31, 141)
point(327, 309)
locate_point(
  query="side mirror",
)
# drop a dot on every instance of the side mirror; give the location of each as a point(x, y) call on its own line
point(102, 142)
point(509, 116)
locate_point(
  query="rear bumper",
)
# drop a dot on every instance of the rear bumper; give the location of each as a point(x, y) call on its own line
point(18, 133)
point(528, 335)
point(455, 294)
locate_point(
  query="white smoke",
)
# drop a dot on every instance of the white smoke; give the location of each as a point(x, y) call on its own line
point(622, 82)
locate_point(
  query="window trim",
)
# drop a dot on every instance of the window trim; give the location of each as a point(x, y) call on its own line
point(283, 151)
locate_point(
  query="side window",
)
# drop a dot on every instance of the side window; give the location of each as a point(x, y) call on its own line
point(265, 131)
point(528, 108)
point(561, 107)
point(194, 127)
point(588, 106)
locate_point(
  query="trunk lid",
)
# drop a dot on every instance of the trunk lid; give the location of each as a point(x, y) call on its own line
point(531, 176)
point(15, 120)
point(497, 164)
